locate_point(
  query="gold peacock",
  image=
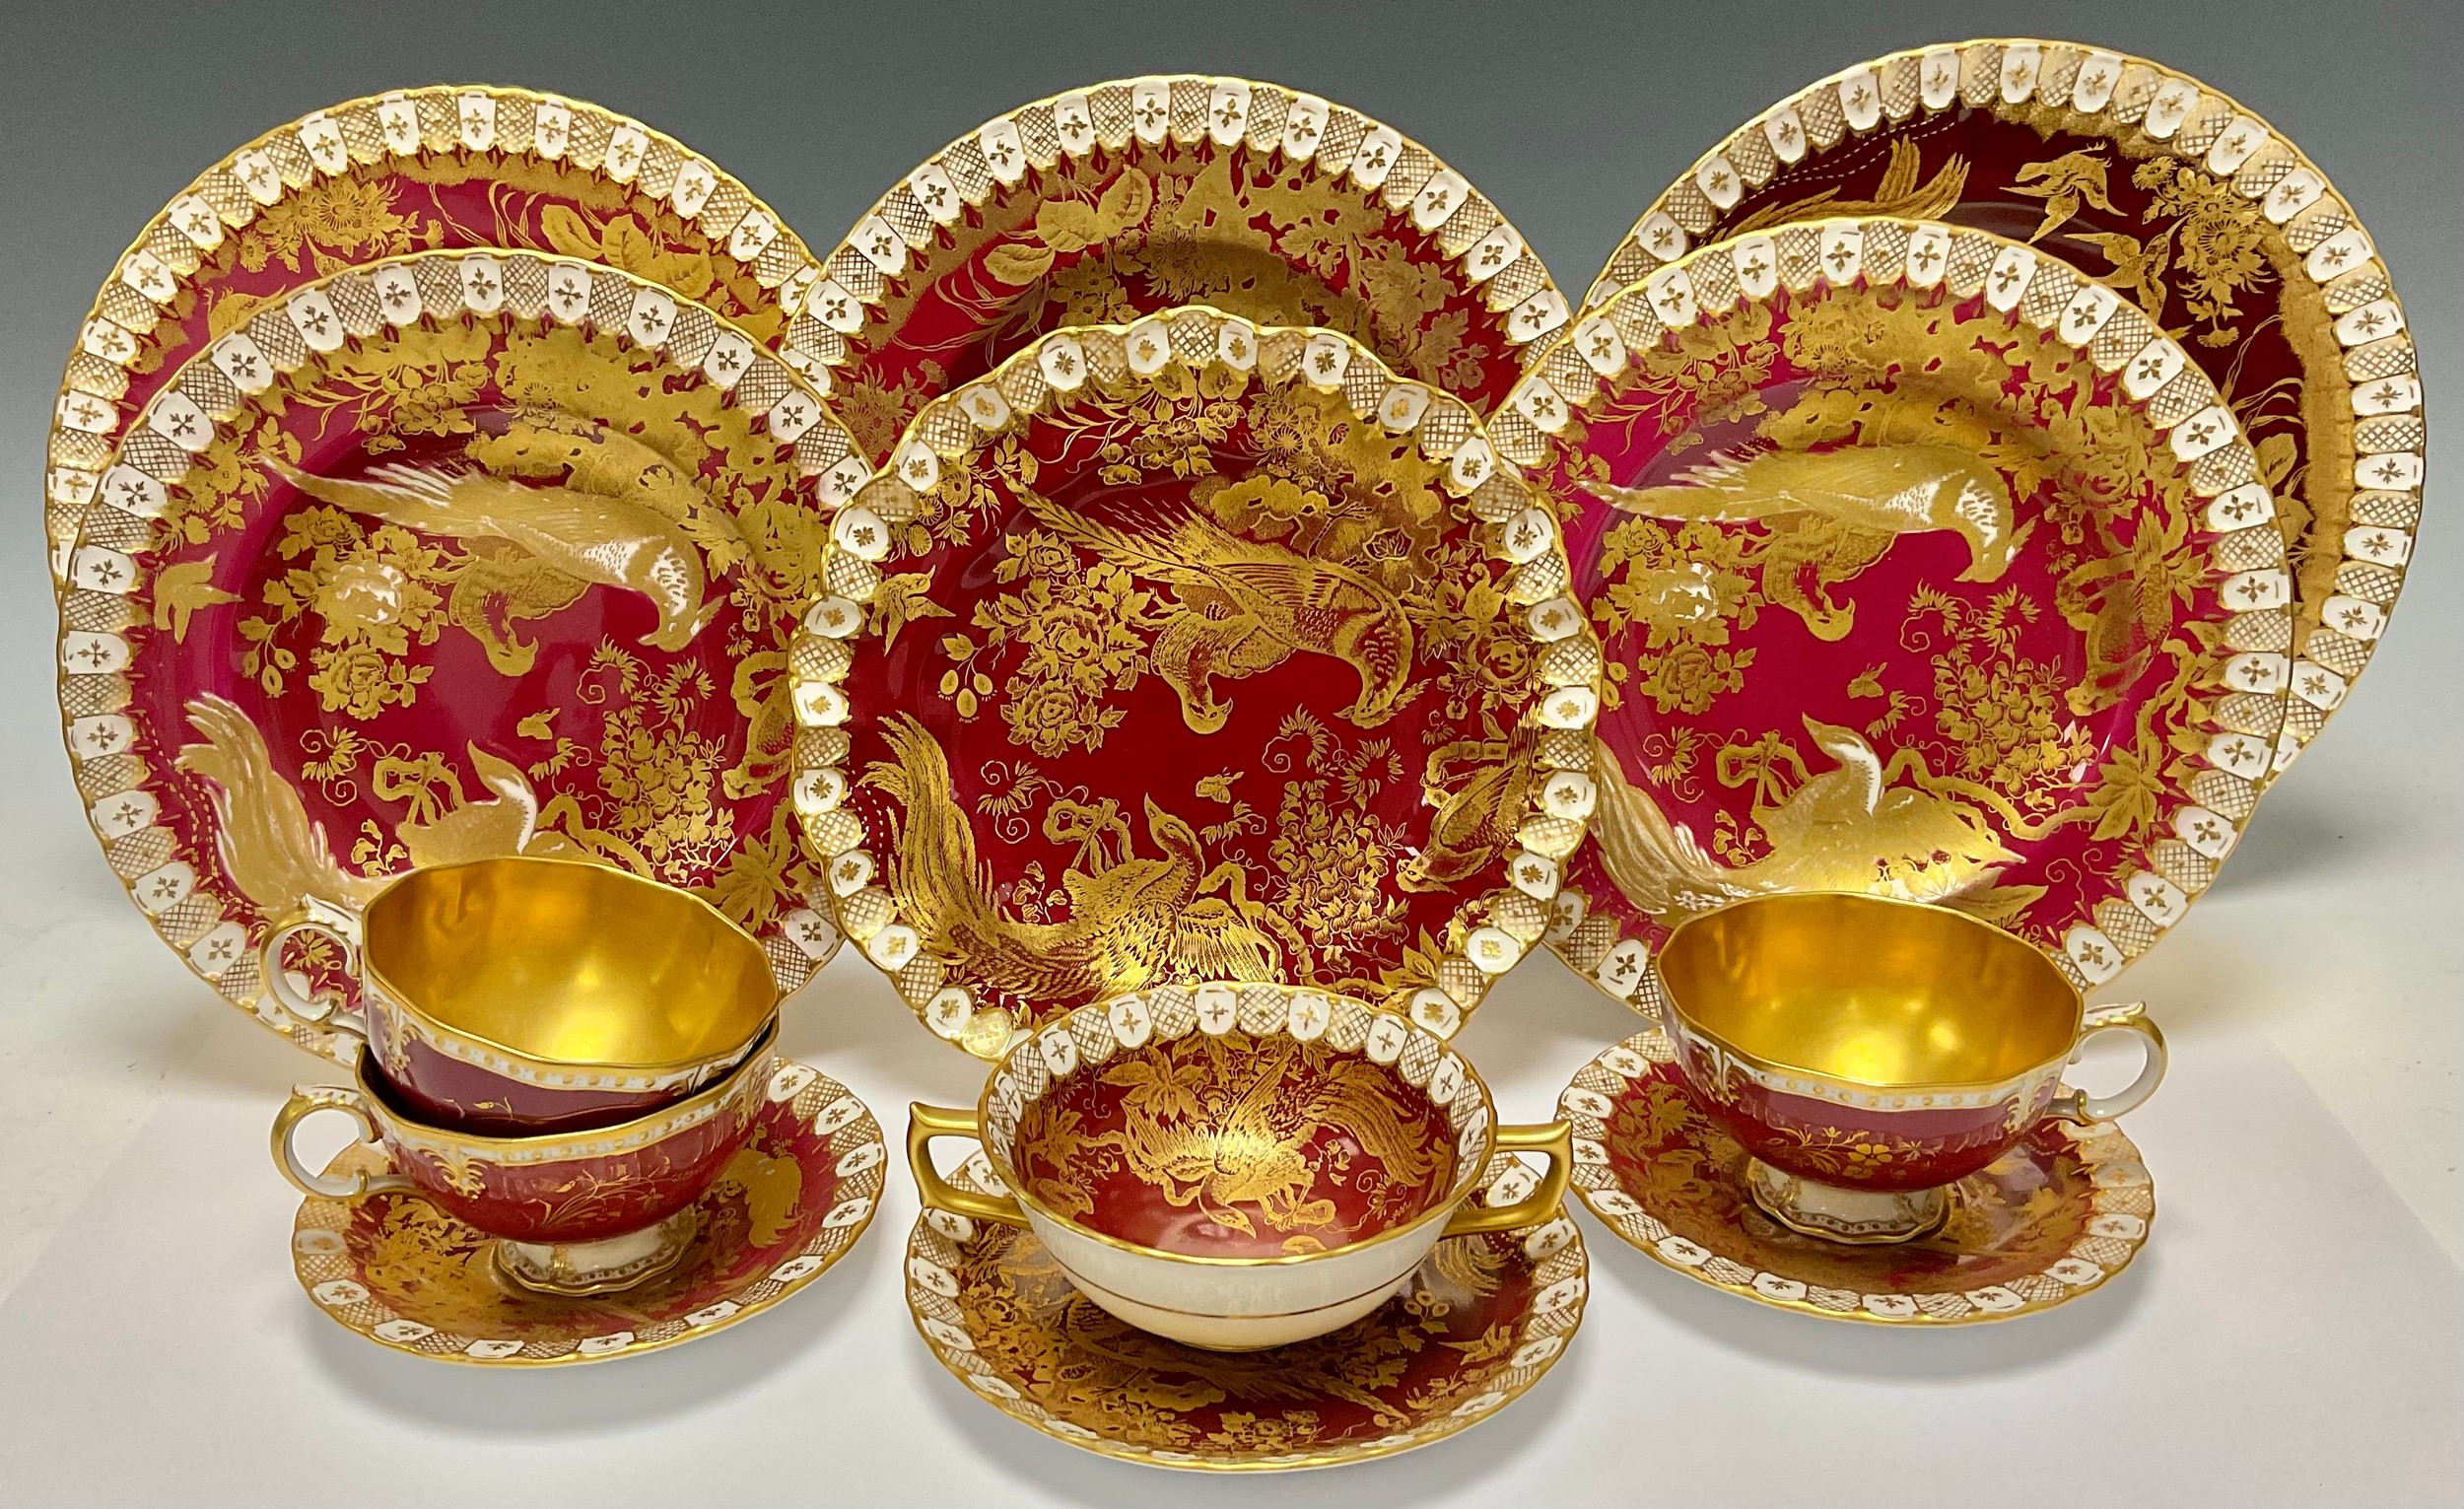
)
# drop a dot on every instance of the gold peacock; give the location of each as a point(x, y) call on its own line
point(1133, 921)
point(1838, 511)
point(611, 539)
point(1244, 607)
point(1843, 830)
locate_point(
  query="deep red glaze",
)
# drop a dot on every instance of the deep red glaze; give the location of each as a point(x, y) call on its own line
point(1870, 1149)
point(582, 1198)
point(1917, 677)
point(449, 1092)
point(647, 755)
point(951, 318)
point(1320, 816)
point(1099, 1111)
point(476, 200)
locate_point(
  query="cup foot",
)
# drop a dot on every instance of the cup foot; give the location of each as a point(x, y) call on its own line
point(1836, 1213)
point(597, 1268)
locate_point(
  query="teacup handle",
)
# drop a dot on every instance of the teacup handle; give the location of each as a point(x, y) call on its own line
point(305, 1101)
point(2079, 1105)
point(1556, 1139)
point(927, 1124)
point(320, 1016)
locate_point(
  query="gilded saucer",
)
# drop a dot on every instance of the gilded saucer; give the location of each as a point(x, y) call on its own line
point(398, 1271)
point(2062, 1212)
point(1474, 1328)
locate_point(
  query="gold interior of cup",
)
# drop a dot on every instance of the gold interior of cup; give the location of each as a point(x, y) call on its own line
point(563, 962)
point(1870, 990)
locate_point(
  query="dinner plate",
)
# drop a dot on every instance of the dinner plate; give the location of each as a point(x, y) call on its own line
point(1120, 199)
point(1926, 566)
point(2171, 194)
point(1193, 650)
point(450, 554)
point(411, 171)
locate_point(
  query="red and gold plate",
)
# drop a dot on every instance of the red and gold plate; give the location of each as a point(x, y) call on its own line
point(1471, 1329)
point(1126, 199)
point(501, 554)
point(443, 168)
point(1191, 650)
point(793, 1202)
point(2210, 223)
point(2060, 1214)
point(1925, 568)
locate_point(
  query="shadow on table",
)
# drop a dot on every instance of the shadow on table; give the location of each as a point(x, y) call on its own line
point(1852, 1350)
point(592, 1399)
point(1072, 1474)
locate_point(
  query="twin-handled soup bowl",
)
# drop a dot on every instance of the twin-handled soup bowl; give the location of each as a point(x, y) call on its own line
point(527, 994)
point(576, 1211)
point(1871, 1053)
point(1238, 1166)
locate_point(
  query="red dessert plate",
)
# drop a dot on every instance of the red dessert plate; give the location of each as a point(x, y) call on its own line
point(1926, 566)
point(1126, 199)
point(2178, 198)
point(1192, 650)
point(452, 555)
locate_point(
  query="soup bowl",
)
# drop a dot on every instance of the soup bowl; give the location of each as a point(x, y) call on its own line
point(1238, 1166)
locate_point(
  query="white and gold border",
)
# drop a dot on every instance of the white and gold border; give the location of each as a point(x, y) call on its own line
point(214, 395)
point(2247, 561)
point(2380, 392)
point(1046, 376)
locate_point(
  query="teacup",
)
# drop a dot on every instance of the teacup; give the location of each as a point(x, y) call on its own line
point(1871, 1053)
point(573, 1213)
point(1237, 1166)
point(527, 994)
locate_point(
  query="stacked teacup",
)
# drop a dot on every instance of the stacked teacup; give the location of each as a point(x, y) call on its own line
point(560, 1054)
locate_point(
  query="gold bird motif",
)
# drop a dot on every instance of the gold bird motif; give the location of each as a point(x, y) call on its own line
point(1476, 822)
point(1838, 511)
point(1898, 195)
point(1242, 606)
point(2063, 184)
point(612, 541)
point(2138, 267)
point(277, 855)
point(1131, 922)
point(1843, 830)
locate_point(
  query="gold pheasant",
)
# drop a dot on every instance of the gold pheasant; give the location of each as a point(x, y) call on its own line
point(277, 855)
point(1244, 607)
point(1134, 921)
point(611, 540)
point(1847, 829)
point(1898, 195)
point(2065, 183)
point(1838, 511)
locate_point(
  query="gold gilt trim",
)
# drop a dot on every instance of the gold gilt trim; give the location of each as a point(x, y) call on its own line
point(182, 893)
point(2370, 446)
point(476, 122)
point(952, 429)
point(319, 1256)
point(2124, 1197)
point(2216, 789)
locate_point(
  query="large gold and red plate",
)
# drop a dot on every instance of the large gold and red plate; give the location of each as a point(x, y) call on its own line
point(1125, 198)
point(418, 169)
point(1926, 566)
point(451, 555)
point(2176, 196)
point(1193, 650)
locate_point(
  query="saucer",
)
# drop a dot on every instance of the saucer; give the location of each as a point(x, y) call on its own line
point(1485, 1316)
point(2059, 1214)
point(797, 1197)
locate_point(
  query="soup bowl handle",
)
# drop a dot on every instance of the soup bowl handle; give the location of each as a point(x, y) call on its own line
point(927, 1124)
point(2079, 1105)
point(1556, 1140)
